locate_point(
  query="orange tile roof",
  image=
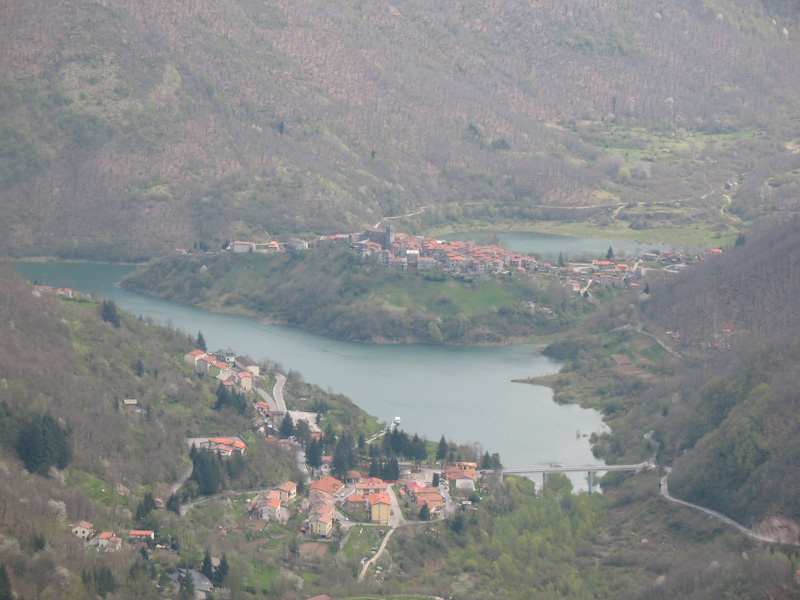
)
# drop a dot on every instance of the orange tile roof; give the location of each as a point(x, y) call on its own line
point(326, 484)
point(379, 499)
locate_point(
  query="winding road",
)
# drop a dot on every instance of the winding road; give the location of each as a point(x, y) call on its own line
point(277, 392)
point(275, 402)
point(719, 516)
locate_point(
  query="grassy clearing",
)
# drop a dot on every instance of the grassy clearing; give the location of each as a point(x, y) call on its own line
point(444, 298)
point(640, 144)
point(97, 489)
point(363, 538)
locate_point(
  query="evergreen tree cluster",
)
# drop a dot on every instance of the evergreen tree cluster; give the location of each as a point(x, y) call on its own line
point(314, 454)
point(388, 470)
point(207, 471)
point(108, 312)
point(344, 456)
point(215, 574)
point(287, 427)
point(491, 462)
point(143, 510)
point(397, 443)
point(236, 401)
point(100, 580)
point(40, 442)
point(174, 504)
point(201, 342)
point(211, 473)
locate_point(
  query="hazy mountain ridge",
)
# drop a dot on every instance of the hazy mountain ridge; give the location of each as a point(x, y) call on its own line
point(169, 123)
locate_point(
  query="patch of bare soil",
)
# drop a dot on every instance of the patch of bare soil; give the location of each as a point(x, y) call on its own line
point(313, 549)
point(624, 365)
point(779, 528)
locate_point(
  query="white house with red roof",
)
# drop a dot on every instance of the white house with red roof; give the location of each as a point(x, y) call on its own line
point(267, 505)
point(141, 535)
point(240, 247)
point(82, 529)
point(462, 480)
point(107, 541)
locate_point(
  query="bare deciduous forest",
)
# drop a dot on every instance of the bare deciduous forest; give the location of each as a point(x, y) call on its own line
point(130, 129)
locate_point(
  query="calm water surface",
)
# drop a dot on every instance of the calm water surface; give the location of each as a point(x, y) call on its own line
point(549, 246)
point(464, 393)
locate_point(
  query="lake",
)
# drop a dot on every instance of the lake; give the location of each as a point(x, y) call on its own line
point(549, 246)
point(465, 393)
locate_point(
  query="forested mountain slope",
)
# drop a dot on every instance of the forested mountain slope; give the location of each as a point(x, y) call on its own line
point(747, 294)
point(70, 451)
point(734, 424)
point(735, 438)
point(130, 128)
point(726, 414)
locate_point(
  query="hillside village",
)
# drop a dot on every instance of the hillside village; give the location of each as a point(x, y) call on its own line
point(329, 502)
point(323, 507)
point(404, 252)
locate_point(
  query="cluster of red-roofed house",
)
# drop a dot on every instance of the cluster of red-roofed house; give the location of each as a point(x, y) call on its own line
point(461, 475)
point(401, 252)
point(269, 504)
point(321, 506)
point(235, 372)
point(226, 446)
point(62, 292)
point(108, 540)
point(421, 494)
point(370, 498)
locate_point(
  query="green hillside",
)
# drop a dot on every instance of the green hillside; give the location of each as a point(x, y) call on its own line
point(71, 450)
point(129, 129)
point(337, 294)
